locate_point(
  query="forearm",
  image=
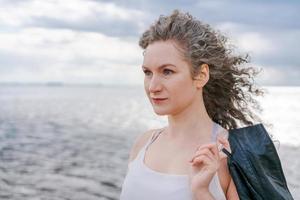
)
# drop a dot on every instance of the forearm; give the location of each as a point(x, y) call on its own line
point(202, 195)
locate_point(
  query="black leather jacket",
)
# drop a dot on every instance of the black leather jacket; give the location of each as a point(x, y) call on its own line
point(254, 165)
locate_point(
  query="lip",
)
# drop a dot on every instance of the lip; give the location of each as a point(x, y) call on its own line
point(158, 100)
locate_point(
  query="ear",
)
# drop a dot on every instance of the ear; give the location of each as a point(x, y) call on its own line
point(202, 77)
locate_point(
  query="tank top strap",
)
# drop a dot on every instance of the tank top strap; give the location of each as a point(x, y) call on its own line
point(218, 130)
point(154, 136)
point(214, 132)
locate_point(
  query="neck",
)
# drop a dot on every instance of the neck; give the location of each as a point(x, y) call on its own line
point(192, 122)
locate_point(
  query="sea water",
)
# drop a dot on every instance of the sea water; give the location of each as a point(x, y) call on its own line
point(73, 142)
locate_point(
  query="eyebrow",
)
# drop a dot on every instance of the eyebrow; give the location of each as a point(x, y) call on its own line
point(160, 67)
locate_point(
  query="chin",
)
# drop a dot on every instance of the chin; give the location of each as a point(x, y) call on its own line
point(161, 112)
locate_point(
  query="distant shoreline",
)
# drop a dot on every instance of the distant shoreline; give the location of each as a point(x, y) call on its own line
point(62, 84)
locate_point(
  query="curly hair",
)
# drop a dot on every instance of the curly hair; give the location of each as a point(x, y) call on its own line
point(228, 94)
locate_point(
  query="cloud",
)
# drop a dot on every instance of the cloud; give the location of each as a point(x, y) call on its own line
point(96, 40)
point(60, 54)
point(69, 10)
point(286, 75)
point(260, 14)
point(76, 14)
point(270, 49)
point(255, 42)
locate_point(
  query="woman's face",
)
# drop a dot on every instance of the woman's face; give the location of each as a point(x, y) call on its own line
point(168, 82)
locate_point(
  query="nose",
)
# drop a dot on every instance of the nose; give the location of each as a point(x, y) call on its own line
point(155, 84)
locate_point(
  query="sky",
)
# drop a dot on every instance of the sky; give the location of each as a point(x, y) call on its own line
point(93, 41)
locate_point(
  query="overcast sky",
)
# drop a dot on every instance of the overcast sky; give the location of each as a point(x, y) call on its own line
point(91, 41)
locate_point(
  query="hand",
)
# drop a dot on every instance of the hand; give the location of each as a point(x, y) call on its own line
point(205, 163)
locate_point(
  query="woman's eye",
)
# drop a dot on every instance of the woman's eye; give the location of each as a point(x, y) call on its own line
point(168, 72)
point(165, 72)
point(147, 72)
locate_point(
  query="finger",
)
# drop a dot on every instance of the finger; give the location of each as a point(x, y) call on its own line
point(213, 148)
point(225, 143)
point(215, 151)
point(203, 159)
point(203, 152)
point(210, 146)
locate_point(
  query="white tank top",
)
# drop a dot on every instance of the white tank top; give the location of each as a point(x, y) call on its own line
point(144, 183)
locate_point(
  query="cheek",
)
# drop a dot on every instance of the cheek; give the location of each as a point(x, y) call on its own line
point(146, 86)
point(183, 84)
point(184, 92)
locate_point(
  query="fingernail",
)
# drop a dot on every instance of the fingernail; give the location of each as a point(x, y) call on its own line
point(220, 147)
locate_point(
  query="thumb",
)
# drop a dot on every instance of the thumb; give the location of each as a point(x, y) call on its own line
point(223, 143)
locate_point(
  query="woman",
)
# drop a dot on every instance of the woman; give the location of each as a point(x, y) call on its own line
point(192, 77)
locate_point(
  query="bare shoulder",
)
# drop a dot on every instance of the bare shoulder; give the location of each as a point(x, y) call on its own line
point(140, 141)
